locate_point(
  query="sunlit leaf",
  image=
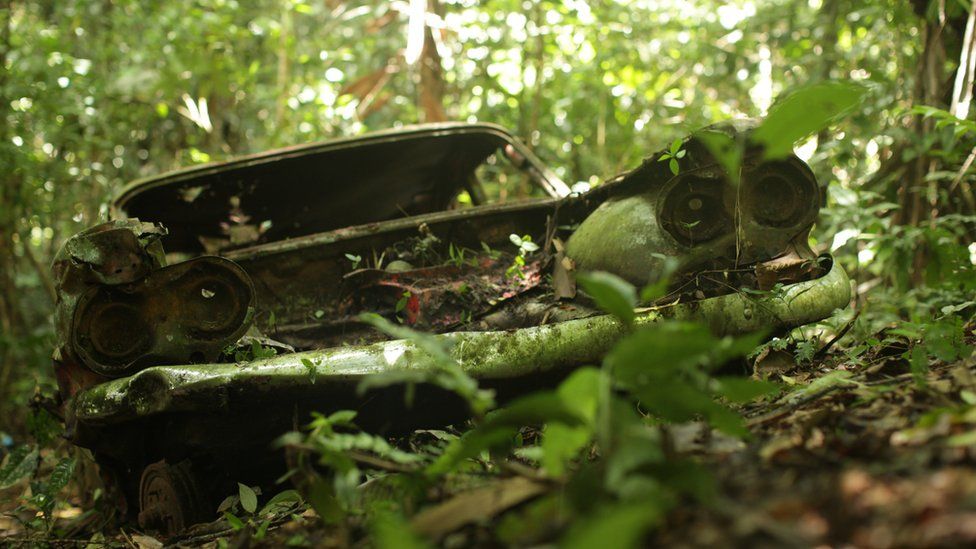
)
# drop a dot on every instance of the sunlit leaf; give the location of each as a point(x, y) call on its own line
point(611, 293)
point(561, 442)
point(804, 112)
point(726, 150)
point(659, 349)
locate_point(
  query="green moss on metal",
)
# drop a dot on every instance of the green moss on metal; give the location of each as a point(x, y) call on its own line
point(483, 355)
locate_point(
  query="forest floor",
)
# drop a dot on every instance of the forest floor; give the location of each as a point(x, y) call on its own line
point(864, 454)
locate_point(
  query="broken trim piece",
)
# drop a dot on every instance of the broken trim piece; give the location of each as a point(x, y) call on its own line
point(483, 355)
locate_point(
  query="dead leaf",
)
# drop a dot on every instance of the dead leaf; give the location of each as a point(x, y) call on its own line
point(474, 506)
point(787, 269)
point(772, 362)
point(563, 281)
point(146, 542)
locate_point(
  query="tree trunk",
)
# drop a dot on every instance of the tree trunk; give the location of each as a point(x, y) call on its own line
point(917, 197)
point(431, 92)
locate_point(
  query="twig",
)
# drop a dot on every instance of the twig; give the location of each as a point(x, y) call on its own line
point(522, 470)
point(55, 542)
point(380, 463)
point(128, 538)
point(843, 331)
point(791, 406)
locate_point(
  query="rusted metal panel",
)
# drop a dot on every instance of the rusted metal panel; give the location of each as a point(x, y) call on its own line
point(120, 309)
point(319, 187)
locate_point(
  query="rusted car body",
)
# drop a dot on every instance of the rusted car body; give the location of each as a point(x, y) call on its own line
point(295, 245)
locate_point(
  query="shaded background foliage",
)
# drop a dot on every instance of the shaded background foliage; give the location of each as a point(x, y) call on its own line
point(96, 93)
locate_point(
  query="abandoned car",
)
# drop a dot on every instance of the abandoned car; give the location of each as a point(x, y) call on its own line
point(167, 314)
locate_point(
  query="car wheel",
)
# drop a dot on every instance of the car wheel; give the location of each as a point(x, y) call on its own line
point(171, 498)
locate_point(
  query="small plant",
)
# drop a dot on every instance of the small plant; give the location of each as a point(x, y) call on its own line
point(241, 510)
point(355, 260)
point(672, 155)
point(455, 255)
point(525, 247)
point(256, 351)
point(401, 304)
point(40, 470)
point(489, 251)
point(310, 367)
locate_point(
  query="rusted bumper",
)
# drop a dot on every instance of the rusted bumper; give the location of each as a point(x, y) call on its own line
point(487, 356)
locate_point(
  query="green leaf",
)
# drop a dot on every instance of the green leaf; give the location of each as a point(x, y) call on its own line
point(561, 443)
point(323, 500)
point(729, 347)
point(660, 280)
point(803, 113)
point(401, 303)
point(741, 389)
point(639, 447)
point(534, 409)
point(677, 401)
point(836, 378)
point(281, 503)
point(20, 464)
point(675, 146)
point(581, 392)
point(673, 165)
point(727, 151)
point(962, 440)
point(655, 352)
point(262, 530)
point(611, 293)
point(686, 477)
point(342, 417)
point(498, 429)
point(619, 526)
point(232, 519)
point(249, 500)
point(472, 444)
point(918, 362)
point(60, 476)
point(390, 531)
point(312, 373)
point(438, 349)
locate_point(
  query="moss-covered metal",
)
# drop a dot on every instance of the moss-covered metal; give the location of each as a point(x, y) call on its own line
point(484, 355)
point(699, 217)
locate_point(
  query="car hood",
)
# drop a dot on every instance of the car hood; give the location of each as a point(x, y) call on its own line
point(323, 186)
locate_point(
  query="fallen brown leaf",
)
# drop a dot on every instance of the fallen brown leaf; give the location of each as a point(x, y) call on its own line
point(474, 506)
